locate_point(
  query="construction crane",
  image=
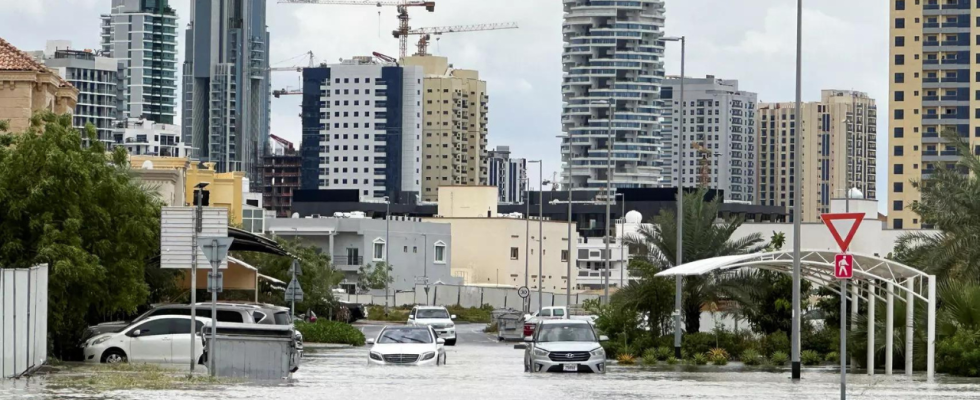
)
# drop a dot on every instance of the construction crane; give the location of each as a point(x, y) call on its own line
point(426, 33)
point(286, 92)
point(704, 164)
point(311, 64)
point(403, 19)
point(287, 145)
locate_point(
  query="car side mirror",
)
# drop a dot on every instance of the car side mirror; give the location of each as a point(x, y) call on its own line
point(603, 338)
point(134, 333)
point(452, 316)
point(370, 341)
point(411, 317)
point(529, 339)
point(440, 341)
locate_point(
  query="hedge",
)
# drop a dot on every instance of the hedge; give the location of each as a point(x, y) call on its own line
point(330, 332)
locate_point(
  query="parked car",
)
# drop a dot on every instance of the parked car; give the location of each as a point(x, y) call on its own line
point(546, 313)
point(157, 339)
point(355, 311)
point(564, 345)
point(438, 318)
point(407, 345)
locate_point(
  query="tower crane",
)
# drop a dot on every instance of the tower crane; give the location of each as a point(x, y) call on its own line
point(311, 64)
point(402, 6)
point(426, 33)
point(704, 164)
point(286, 145)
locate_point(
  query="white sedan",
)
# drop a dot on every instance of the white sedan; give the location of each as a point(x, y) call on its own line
point(407, 345)
point(159, 340)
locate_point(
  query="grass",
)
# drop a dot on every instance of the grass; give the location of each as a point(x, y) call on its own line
point(105, 377)
point(324, 331)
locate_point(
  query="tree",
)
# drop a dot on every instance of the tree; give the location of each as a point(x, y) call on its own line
point(650, 295)
point(317, 280)
point(776, 241)
point(705, 236)
point(80, 211)
point(377, 276)
point(951, 203)
point(764, 298)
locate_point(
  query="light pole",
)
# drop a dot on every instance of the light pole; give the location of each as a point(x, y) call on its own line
point(198, 226)
point(622, 238)
point(797, 197)
point(527, 236)
point(609, 150)
point(568, 258)
point(388, 268)
point(540, 230)
point(678, 281)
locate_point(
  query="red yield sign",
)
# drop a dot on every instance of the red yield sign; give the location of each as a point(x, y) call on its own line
point(843, 242)
point(844, 266)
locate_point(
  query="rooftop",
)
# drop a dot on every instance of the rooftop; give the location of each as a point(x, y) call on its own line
point(13, 59)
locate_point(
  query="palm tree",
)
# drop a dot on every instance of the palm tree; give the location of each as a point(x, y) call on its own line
point(705, 236)
point(951, 203)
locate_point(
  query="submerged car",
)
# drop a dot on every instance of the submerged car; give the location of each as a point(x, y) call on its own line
point(564, 346)
point(438, 318)
point(160, 340)
point(407, 345)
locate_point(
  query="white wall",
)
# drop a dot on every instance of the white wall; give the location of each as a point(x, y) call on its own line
point(23, 319)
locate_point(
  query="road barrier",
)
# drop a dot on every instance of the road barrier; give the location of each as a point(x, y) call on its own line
point(23, 319)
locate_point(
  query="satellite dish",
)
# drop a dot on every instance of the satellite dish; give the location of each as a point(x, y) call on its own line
point(147, 165)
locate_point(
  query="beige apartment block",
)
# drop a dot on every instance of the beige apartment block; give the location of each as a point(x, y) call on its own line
point(26, 87)
point(494, 249)
point(934, 82)
point(839, 149)
point(454, 127)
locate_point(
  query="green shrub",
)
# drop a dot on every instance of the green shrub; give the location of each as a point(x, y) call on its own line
point(779, 358)
point(626, 359)
point(736, 342)
point(330, 332)
point(959, 354)
point(377, 313)
point(649, 358)
point(700, 359)
point(752, 357)
point(832, 357)
point(663, 353)
point(810, 357)
point(822, 341)
point(698, 343)
point(719, 360)
point(479, 315)
point(671, 360)
point(612, 348)
point(775, 342)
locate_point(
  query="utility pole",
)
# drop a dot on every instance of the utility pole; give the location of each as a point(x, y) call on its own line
point(622, 239)
point(609, 151)
point(198, 227)
point(678, 280)
point(568, 258)
point(388, 268)
point(527, 236)
point(797, 196)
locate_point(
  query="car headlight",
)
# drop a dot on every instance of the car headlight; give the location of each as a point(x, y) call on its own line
point(540, 352)
point(100, 340)
point(376, 356)
point(598, 353)
point(428, 355)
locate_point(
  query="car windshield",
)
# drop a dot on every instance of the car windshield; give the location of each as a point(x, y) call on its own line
point(405, 335)
point(432, 313)
point(566, 333)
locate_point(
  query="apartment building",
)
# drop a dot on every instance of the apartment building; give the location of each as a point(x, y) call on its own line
point(362, 128)
point(934, 87)
point(142, 36)
point(96, 79)
point(148, 138)
point(612, 51)
point(454, 130)
point(839, 150)
point(718, 129)
point(509, 175)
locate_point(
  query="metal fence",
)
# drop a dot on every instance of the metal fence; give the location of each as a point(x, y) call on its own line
point(23, 319)
point(467, 296)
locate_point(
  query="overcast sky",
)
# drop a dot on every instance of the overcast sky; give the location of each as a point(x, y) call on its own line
point(845, 47)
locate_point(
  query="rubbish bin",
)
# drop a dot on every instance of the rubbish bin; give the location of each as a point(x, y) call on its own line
point(253, 351)
point(510, 326)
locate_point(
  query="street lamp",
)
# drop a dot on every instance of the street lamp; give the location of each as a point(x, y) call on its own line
point(622, 238)
point(388, 268)
point(678, 281)
point(540, 229)
point(527, 236)
point(198, 226)
point(568, 258)
point(609, 150)
point(797, 197)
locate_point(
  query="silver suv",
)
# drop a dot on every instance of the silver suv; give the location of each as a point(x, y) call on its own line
point(564, 346)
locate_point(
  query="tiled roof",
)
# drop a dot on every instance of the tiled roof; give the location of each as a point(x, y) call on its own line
point(12, 59)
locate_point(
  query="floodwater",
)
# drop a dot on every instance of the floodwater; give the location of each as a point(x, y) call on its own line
point(480, 368)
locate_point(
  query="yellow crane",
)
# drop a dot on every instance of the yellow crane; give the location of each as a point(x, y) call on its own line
point(704, 164)
point(426, 33)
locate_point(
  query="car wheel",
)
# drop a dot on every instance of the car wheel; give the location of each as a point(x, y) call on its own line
point(114, 356)
point(451, 342)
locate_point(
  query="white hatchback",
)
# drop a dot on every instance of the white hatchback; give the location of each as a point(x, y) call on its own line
point(160, 340)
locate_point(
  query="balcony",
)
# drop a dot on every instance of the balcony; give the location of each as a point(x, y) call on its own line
point(348, 260)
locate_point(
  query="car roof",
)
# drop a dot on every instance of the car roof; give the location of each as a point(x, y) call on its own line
point(564, 322)
point(156, 317)
point(430, 307)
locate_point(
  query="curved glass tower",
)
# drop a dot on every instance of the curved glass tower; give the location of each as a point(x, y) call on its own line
point(612, 52)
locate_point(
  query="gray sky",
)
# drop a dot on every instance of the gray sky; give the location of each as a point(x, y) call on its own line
point(845, 47)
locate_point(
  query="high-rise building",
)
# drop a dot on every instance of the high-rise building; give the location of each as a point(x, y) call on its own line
point(839, 142)
point(719, 129)
point(934, 87)
point(612, 51)
point(281, 174)
point(226, 88)
point(142, 36)
point(454, 130)
point(362, 128)
point(96, 79)
point(145, 137)
point(509, 175)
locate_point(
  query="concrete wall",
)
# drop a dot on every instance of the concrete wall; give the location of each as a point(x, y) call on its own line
point(23, 319)
point(467, 201)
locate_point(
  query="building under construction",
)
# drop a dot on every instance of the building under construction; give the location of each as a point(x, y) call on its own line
point(281, 169)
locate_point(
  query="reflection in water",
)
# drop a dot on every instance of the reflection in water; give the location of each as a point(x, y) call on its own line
point(479, 368)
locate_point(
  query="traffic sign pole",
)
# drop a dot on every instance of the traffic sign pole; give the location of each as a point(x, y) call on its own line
point(843, 339)
point(216, 250)
point(844, 271)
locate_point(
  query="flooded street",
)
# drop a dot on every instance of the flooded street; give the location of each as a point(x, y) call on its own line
point(480, 368)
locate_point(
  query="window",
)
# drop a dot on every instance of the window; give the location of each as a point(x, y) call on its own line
point(899, 132)
point(899, 41)
point(379, 249)
point(154, 328)
point(897, 205)
point(898, 169)
point(899, 59)
point(897, 223)
point(440, 253)
point(899, 77)
point(899, 5)
point(899, 23)
point(514, 253)
point(564, 255)
point(899, 114)
point(899, 96)
point(898, 187)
